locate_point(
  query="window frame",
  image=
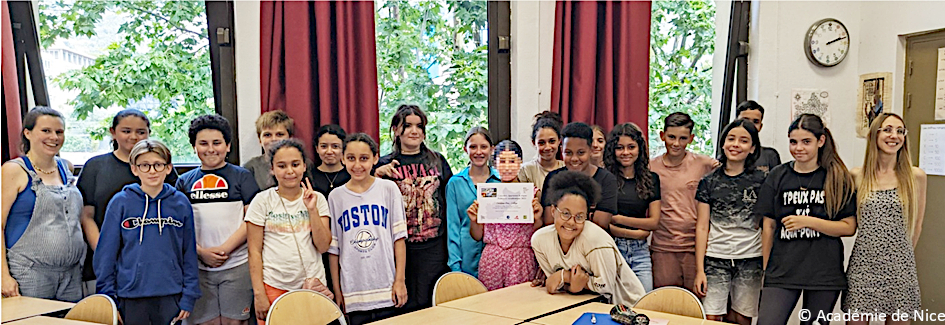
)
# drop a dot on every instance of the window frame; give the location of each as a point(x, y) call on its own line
point(222, 62)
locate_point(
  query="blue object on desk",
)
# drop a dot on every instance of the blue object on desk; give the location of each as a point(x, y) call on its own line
point(602, 319)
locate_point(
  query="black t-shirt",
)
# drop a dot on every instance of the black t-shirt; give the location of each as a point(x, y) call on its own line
point(768, 159)
point(101, 177)
point(424, 189)
point(804, 258)
point(326, 182)
point(629, 202)
point(608, 189)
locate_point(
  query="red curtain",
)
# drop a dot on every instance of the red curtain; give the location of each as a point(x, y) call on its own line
point(600, 73)
point(319, 64)
point(11, 91)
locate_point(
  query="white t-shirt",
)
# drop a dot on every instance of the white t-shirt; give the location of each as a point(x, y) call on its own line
point(595, 251)
point(287, 234)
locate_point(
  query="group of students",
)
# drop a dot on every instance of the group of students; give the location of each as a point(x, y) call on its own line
point(375, 233)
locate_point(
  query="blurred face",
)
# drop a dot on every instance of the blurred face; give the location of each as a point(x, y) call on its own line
point(359, 160)
point(508, 164)
point(411, 133)
point(804, 145)
point(576, 207)
point(211, 148)
point(47, 135)
point(129, 131)
point(478, 149)
point(738, 144)
point(577, 153)
point(546, 141)
point(597, 147)
point(271, 135)
point(151, 169)
point(754, 116)
point(676, 138)
point(329, 149)
point(626, 151)
point(288, 167)
point(891, 136)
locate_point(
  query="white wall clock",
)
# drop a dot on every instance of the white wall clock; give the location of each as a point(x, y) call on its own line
point(827, 42)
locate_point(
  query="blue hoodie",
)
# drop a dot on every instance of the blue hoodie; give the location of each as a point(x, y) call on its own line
point(136, 259)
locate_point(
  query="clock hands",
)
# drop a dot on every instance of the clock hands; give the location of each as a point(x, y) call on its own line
point(838, 38)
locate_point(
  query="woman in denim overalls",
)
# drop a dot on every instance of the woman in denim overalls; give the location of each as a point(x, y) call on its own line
point(42, 238)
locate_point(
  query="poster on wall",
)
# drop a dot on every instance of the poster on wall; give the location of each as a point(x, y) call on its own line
point(940, 87)
point(874, 89)
point(932, 149)
point(813, 101)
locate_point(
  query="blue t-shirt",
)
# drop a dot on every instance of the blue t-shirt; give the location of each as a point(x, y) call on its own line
point(218, 197)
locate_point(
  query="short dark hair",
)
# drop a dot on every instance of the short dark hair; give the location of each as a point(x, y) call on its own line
point(213, 122)
point(678, 119)
point(578, 130)
point(285, 143)
point(749, 105)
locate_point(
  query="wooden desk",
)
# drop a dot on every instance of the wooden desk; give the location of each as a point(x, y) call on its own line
point(568, 317)
point(522, 302)
point(443, 315)
point(45, 320)
point(22, 307)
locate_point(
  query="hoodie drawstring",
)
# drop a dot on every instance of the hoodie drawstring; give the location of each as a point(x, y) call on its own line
point(160, 220)
point(141, 220)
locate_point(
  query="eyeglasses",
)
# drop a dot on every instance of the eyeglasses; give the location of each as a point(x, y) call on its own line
point(890, 130)
point(566, 215)
point(158, 167)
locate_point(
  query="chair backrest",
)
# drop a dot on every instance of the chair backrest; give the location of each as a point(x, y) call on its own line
point(303, 307)
point(456, 285)
point(672, 300)
point(95, 309)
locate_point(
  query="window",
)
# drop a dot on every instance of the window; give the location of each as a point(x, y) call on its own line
point(435, 54)
point(154, 56)
point(682, 43)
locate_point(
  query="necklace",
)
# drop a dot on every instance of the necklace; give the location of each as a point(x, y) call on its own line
point(331, 181)
point(40, 169)
point(803, 188)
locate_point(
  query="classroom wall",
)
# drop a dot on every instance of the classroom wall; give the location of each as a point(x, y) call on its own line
point(777, 63)
point(248, 95)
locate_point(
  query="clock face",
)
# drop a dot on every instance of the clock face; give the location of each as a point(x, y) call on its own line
point(827, 42)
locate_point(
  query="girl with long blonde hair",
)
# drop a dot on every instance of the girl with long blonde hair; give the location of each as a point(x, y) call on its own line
point(891, 195)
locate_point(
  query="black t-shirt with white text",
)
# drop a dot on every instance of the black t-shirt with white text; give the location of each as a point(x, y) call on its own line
point(804, 258)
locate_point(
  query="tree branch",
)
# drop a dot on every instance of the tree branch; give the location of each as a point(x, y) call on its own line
point(165, 19)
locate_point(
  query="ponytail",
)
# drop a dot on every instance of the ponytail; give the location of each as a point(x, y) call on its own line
point(839, 185)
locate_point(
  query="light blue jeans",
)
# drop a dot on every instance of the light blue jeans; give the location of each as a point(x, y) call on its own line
point(637, 254)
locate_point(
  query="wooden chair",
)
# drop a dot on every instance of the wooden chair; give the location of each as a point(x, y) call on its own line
point(95, 309)
point(672, 300)
point(456, 285)
point(304, 307)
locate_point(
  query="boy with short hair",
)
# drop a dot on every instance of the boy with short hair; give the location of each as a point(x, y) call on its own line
point(271, 126)
point(219, 193)
point(674, 242)
point(753, 112)
point(146, 258)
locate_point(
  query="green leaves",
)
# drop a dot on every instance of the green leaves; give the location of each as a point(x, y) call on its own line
point(682, 40)
point(432, 53)
point(161, 55)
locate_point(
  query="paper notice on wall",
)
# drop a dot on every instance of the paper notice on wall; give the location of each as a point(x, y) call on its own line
point(932, 149)
point(811, 101)
point(940, 87)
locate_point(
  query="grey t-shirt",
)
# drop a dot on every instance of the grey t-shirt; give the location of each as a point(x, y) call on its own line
point(734, 231)
point(768, 159)
point(364, 227)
